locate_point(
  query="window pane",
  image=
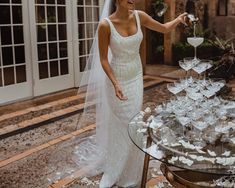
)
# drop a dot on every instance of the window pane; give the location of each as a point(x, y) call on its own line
point(16, 1)
point(20, 74)
point(63, 32)
point(18, 35)
point(43, 70)
point(61, 2)
point(39, 1)
point(51, 17)
point(88, 2)
point(81, 14)
point(89, 14)
point(63, 49)
point(17, 14)
point(0, 77)
point(82, 48)
point(4, 1)
point(41, 33)
point(7, 55)
point(96, 14)
point(81, 31)
point(80, 2)
point(50, 1)
point(40, 14)
point(89, 30)
point(89, 44)
point(64, 67)
point(5, 15)
point(42, 52)
point(52, 34)
point(96, 2)
point(53, 51)
point(61, 14)
point(6, 35)
point(19, 54)
point(54, 69)
point(82, 61)
point(95, 27)
point(9, 77)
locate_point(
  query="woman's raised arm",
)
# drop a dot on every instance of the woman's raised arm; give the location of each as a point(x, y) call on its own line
point(149, 22)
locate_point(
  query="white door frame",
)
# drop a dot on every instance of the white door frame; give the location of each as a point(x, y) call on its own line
point(54, 84)
point(12, 93)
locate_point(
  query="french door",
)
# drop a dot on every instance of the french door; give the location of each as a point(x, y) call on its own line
point(51, 45)
point(15, 65)
point(44, 45)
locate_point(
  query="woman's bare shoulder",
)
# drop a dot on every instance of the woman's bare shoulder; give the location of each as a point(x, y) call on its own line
point(104, 26)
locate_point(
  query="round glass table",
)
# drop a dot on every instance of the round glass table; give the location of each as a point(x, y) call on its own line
point(184, 163)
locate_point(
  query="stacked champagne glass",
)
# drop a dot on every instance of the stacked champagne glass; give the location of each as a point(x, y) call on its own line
point(195, 120)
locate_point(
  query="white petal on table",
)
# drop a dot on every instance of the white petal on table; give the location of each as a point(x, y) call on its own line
point(155, 151)
point(226, 153)
point(186, 161)
point(147, 110)
point(155, 124)
point(211, 153)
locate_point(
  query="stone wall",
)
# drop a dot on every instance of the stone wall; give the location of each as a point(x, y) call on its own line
point(224, 26)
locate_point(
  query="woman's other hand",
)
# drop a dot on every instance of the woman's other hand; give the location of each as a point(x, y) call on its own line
point(119, 93)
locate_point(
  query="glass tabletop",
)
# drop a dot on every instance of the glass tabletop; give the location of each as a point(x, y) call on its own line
point(175, 145)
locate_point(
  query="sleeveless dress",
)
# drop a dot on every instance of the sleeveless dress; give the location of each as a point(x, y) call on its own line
point(124, 161)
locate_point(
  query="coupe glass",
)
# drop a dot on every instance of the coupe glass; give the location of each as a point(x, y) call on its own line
point(174, 88)
point(200, 126)
point(202, 66)
point(195, 42)
point(186, 65)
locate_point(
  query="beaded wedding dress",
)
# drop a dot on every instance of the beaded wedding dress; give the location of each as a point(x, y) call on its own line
point(124, 161)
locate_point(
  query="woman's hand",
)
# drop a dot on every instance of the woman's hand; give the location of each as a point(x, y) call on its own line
point(119, 93)
point(182, 18)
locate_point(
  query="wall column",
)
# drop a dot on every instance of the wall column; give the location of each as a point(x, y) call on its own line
point(144, 5)
point(169, 38)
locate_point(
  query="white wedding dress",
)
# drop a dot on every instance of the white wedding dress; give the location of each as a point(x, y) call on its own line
point(124, 161)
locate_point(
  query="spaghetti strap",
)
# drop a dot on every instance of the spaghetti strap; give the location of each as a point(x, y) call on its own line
point(137, 19)
point(110, 24)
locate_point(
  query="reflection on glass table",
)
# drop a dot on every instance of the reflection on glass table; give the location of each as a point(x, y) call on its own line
point(189, 140)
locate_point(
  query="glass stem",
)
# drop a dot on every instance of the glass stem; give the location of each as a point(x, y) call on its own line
point(195, 53)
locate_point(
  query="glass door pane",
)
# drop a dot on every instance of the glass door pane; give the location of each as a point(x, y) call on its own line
point(87, 20)
point(53, 46)
point(52, 51)
point(12, 45)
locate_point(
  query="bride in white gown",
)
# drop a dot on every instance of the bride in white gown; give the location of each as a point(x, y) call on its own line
point(117, 89)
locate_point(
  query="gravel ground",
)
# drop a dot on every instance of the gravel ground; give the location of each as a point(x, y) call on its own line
point(42, 168)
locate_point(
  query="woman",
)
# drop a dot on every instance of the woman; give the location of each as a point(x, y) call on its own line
point(121, 32)
point(118, 94)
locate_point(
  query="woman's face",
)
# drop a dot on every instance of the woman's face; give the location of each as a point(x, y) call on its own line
point(128, 4)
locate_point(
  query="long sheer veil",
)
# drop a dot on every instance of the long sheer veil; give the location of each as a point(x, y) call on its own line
point(91, 155)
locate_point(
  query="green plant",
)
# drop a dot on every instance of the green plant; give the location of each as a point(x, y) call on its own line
point(225, 45)
point(156, 52)
point(225, 66)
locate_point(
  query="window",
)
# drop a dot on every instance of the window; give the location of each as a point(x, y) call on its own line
point(222, 8)
point(88, 19)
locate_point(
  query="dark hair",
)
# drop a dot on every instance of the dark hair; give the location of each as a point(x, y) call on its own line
point(113, 7)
